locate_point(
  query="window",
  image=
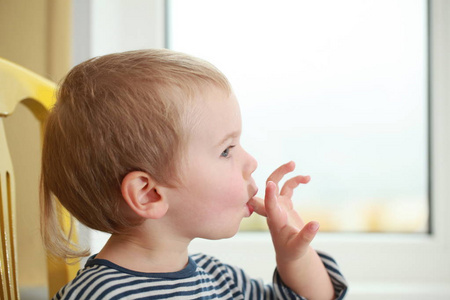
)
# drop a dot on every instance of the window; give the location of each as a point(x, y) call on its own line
point(326, 84)
point(377, 265)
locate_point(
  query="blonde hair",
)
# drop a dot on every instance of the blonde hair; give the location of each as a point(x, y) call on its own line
point(115, 114)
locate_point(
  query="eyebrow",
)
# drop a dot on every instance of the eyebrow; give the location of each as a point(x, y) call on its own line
point(231, 135)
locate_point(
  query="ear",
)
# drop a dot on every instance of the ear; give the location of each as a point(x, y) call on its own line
point(140, 192)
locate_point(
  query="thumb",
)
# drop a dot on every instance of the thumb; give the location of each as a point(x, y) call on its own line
point(307, 234)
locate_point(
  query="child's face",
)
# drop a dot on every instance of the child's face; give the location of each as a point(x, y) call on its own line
point(217, 179)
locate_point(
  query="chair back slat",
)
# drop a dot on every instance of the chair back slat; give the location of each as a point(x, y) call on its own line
point(8, 268)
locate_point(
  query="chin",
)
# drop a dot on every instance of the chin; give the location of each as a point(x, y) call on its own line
point(222, 234)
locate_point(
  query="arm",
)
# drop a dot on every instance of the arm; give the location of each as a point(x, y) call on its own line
point(299, 266)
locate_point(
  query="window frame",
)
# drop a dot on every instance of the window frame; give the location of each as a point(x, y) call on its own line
point(377, 265)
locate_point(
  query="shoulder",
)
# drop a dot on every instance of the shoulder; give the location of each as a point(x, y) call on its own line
point(102, 279)
point(202, 260)
point(89, 279)
point(210, 264)
point(234, 276)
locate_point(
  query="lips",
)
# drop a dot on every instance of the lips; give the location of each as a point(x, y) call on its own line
point(256, 192)
point(250, 209)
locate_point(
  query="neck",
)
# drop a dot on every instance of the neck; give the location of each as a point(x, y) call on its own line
point(146, 253)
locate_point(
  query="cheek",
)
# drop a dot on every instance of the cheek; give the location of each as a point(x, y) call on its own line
point(233, 190)
point(217, 184)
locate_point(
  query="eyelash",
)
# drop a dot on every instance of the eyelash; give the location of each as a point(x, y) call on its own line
point(226, 152)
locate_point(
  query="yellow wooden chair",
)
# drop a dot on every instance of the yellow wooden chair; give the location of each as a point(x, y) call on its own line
point(17, 85)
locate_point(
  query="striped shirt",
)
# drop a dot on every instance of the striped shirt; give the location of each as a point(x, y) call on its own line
point(204, 277)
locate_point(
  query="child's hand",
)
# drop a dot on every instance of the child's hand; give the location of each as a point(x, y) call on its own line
point(291, 238)
point(298, 264)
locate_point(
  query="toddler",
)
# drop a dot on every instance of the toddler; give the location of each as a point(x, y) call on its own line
point(145, 145)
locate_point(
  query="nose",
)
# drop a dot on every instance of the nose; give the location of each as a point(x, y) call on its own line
point(250, 165)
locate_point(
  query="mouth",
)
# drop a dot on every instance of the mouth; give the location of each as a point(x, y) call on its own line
point(255, 189)
point(256, 192)
point(250, 208)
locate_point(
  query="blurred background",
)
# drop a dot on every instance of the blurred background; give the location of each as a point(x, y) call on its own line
point(343, 88)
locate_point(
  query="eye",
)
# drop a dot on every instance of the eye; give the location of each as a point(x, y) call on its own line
point(226, 152)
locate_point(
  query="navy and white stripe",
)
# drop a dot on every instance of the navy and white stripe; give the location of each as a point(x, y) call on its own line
point(339, 283)
point(203, 278)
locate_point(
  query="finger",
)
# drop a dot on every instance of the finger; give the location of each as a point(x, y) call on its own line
point(291, 184)
point(258, 206)
point(276, 217)
point(279, 173)
point(307, 234)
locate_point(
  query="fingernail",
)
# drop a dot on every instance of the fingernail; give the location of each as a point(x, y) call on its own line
point(314, 226)
point(291, 164)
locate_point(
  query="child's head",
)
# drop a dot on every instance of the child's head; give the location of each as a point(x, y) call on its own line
point(116, 114)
